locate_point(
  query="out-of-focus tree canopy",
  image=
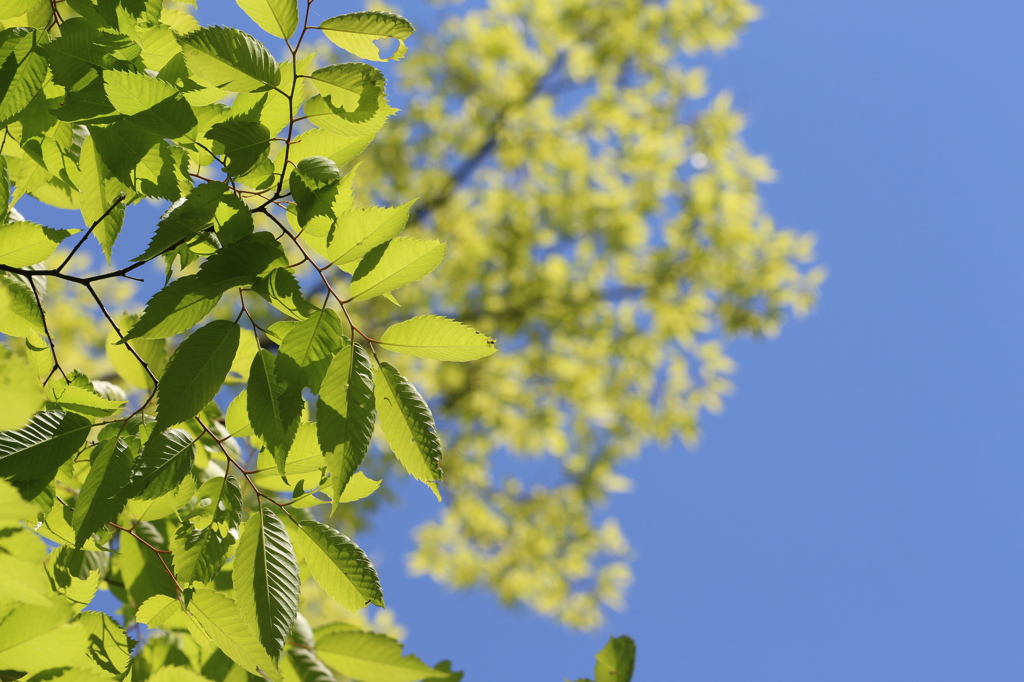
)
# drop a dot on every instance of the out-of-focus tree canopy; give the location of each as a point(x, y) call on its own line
point(605, 226)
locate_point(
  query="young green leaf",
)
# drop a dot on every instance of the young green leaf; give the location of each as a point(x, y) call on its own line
point(229, 59)
point(220, 620)
point(307, 350)
point(358, 230)
point(5, 190)
point(19, 312)
point(357, 32)
point(388, 267)
point(408, 425)
point(82, 399)
point(196, 372)
point(40, 447)
point(337, 563)
point(276, 17)
point(201, 544)
point(103, 493)
point(100, 191)
point(615, 661)
point(23, 243)
point(266, 580)
point(274, 408)
point(164, 462)
point(174, 309)
point(185, 219)
point(132, 92)
point(280, 288)
point(431, 336)
point(372, 657)
point(20, 392)
point(24, 70)
point(346, 412)
point(246, 143)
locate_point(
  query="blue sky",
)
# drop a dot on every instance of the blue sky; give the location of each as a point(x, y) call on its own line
point(857, 513)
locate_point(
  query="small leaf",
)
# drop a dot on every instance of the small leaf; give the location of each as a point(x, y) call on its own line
point(357, 32)
point(245, 144)
point(430, 336)
point(346, 411)
point(185, 219)
point(164, 462)
point(372, 657)
point(276, 17)
point(337, 563)
point(196, 372)
point(401, 261)
point(615, 661)
point(23, 71)
point(266, 580)
point(23, 243)
point(39, 448)
point(201, 544)
point(132, 92)
point(408, 425)
point(103, 493)
point(229, 59)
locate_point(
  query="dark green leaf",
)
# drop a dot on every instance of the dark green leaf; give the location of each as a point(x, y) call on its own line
point(408, 425)
point(22, 70)
point(122, 145)
point(170, 118)
point(103, 493)
point(308, 349)
point(174, 309)
point(281, 289)
point(185, 219)
point(337, 563)
point(39, 448)
point(196, 372)
point(201, 544)
point(345, 414)
point(266, 580)
point(163, 463)
point(274, 408)
point(245, 144)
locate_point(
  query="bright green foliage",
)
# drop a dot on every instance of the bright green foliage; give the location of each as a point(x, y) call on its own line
point(204, 525)
point(615, 661)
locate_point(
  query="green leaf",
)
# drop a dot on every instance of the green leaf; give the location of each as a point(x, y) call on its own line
point(370, 657)
point(408, 425)
point(346, 412)
point(229, 59)
point(430, 336)
point(20, 391)
point(358, 230)
point(122, 146)
point(19, 312)
point(12, 8)
point(280, 288)
point(22, 70)
point(99, 191)
point(307, 350)
point(233, 219)
point(34, 638)
point(201, 544)
point(276, 17)
point(357, 32)
point(82, 399)
point(110, 648)
point(185, 219)
point(337, 563)
point(355, 92)
point(196, 372)
point(131, 92)
point(79, 52)
point(5, 190)
point(388, 267)
point(266, 580)
point(615, 661)
point(359, 486)
point(274, 408)
point(164, 462)
point(246, 144)
point(103, 493)
point(319, 170)
point(39, 448)
point(221, 622)
point(24, 243)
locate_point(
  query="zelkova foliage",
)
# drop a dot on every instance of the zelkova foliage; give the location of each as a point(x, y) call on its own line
point(205, 525)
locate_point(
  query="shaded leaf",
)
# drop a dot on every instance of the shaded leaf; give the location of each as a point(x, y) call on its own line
point(22, 70)
point(346, 411)
point(164, 462)
point(185, 219)
point(40, 447)
point(201, 544)
point(245, 143)
point(196, 372)
point(307, 350)
point(103, 493)
point(274, 408)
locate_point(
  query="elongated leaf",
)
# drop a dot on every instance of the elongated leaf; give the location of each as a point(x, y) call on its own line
point(164, 462)
point(308, 349)
point(221, 621)
point(24, 243)
point(266, 580)
point(388, 267)
point(346, 411)
point(185, 219)
point(196, 372)
point(100, 190)
point(615, 661)
point(408, 425)
point(229, 59)
point(131, 92)
point(370, 657)
point(201, 544)
point(22, 70)
point(5, 190)
point(357, 32)
point(103, 493)
point(337, 563)
point(431, 336)
point(276, 17)
point(81, 399)
point(36, 450)
point(274, 409)
point(246, 143)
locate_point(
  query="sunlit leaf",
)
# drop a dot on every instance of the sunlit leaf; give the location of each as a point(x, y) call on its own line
point(408, 425)
point(357, 32)
point(431, 336)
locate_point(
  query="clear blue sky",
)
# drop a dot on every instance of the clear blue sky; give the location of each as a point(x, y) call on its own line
point(857, 513)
